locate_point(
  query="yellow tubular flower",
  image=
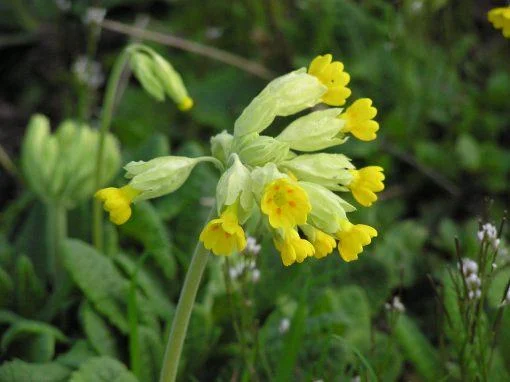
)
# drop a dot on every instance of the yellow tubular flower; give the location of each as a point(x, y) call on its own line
point(365, 183)
point(323, 244)
point(186, 104)
point(358, 120)
point(352, 238)
point(285, 203)
point(332, 75)
point(117, 202)
point(224, 236)
point(292, 248)
point(500, 19)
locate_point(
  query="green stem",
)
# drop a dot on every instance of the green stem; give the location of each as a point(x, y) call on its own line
point(106, 118)
point(183, 311)
point(56, 230)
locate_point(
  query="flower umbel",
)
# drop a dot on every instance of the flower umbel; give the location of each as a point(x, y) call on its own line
point(352, 238)
point(500, 19)
point(365, 183)
point(117, 201)
point(359, 120)
point(285, 203)
point(224, 235)
point(332, 75)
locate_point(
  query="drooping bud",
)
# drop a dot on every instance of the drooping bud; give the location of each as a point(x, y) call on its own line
point(315, 131)
point(142, 66)
point(257, 150)
point(160, 176)
point(221, 145)
point(235, 184)
point(328, 170)
point(283, 96)
point(328, 209)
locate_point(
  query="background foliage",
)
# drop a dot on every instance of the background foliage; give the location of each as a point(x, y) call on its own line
point(439, 76)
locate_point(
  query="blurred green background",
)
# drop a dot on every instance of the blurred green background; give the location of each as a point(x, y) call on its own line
point(439, 76)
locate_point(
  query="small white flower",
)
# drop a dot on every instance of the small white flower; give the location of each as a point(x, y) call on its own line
point(284, 325)
point(252, 246)
point(232, 271)
point(468, 266)
point(473, 281)
point(475, 294)
point(397, 305)
point(494, 265)
point(255, 276)
point(88, 72)
point(94, 15)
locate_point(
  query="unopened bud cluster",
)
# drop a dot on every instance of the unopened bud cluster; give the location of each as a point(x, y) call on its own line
point(469, 269)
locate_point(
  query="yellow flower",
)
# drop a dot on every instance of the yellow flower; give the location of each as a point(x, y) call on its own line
point(352, 238)
point(365, 183)
point(224, 235)
point(285, 203)
point(358, 120)
point(500, 19)
point(292, 248)
point(117, 202)
point(186, 104)
point(323, 244)
point(332, 75)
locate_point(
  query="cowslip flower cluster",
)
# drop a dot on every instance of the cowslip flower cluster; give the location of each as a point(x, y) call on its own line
point(285, 183)
point(500, 19)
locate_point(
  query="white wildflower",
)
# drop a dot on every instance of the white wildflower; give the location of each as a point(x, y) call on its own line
point(88, 72)
point(255, 276)
point(284, 325)
point(252, 246)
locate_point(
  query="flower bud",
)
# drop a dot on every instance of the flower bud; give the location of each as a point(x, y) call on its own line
point(61, 168)
point(143, 68)
point(328, 170)
point(220, 146)
point(172, 82)
point(257, 150)
point(315, 131)
point(283, 96)
point(160, 176)
point(328, 209)
point(235, 184)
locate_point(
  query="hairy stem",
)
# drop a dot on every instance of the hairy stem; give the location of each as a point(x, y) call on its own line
point(183, 311)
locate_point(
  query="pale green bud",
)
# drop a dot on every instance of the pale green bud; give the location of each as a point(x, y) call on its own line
point(328, 170)
point(161, 175)
point(315, 131)
point(142, 66)
point(283, 96)
point(328, 209)
point(39, 155)
point(221, 145)
point(257, 150)
point(61, 168)
point(261, 176)
point(172, 82)
point(235, 184)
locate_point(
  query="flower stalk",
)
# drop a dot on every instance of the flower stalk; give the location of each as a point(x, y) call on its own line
point(183, 311)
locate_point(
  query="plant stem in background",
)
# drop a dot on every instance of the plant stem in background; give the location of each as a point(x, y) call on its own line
point(183, 311)
point(106, 118)
point(56, 231)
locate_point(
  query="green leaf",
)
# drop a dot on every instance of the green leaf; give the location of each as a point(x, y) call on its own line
point(156, 295)
point(417, 349)
point(99, 280)
point(147, 227)
point(78, 354)
point(293, 340)
point(6, 289)
point(32, 340)
point(98, 332)
point(30, 291)
point(468, 152)
point(19, 371)
point(102, 369)
point(151, 353)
